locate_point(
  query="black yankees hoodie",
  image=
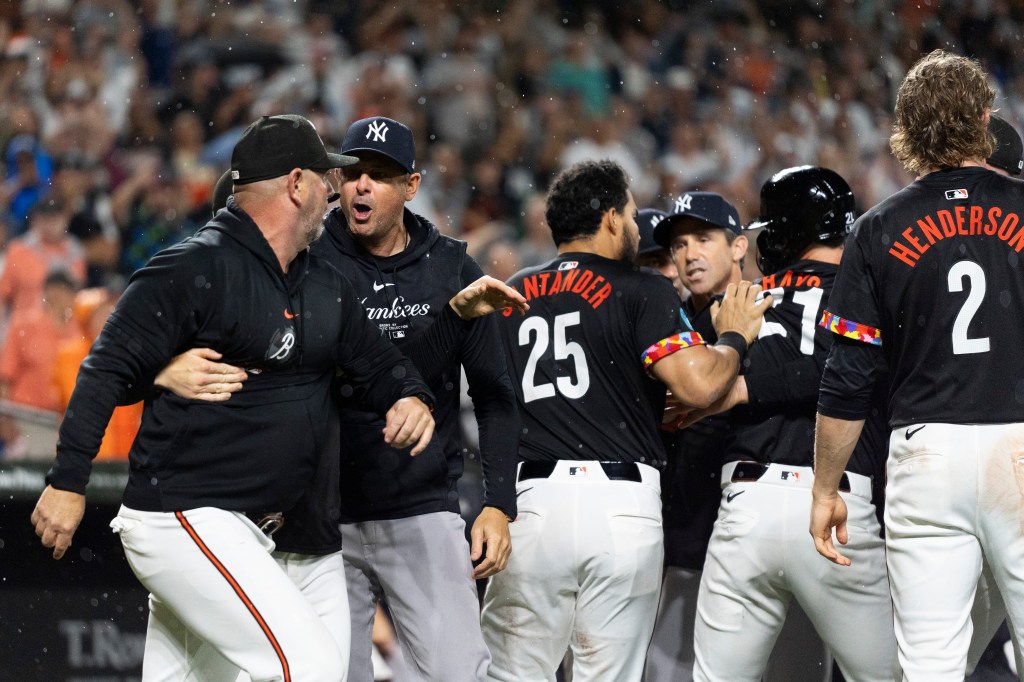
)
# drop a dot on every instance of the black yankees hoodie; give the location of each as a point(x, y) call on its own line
point(224, 288)
point(403, 294)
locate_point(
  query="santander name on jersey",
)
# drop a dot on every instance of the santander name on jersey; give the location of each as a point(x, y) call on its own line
point(569, 277)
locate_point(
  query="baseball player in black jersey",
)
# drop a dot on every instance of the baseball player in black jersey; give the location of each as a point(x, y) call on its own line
point(586, 569)
point(202, 476)
point(758, 561)
point(929, 282)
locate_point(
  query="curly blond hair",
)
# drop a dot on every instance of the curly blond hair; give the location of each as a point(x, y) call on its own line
point(940, 113)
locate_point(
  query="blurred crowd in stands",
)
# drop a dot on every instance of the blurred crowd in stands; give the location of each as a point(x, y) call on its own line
point(118, 116)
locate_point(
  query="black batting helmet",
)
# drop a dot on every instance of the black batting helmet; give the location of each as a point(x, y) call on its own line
point(800, 206)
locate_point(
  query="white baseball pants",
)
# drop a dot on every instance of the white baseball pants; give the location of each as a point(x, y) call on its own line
point(955, 498)
point(585, 572)
point(214, 583)
point(761, 557)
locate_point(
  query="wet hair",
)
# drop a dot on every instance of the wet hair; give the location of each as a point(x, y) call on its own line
point(580, 195)
point(939, 118)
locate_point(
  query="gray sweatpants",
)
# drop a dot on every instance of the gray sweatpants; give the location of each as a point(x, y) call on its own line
point(420, 566)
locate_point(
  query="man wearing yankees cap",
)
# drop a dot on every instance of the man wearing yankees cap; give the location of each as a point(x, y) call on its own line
point(404, 539)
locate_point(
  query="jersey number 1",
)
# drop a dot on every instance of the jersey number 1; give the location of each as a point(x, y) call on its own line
point(809, 301)
point(563, 350)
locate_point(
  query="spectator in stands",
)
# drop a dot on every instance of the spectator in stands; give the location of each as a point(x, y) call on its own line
point(90, 311)
point(46, 247)
point(78, 184)
point(30, 349)
point(151, 210)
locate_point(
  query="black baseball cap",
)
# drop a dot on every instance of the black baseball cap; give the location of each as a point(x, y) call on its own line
point(382, 135)
point(1009, 153)
point(709, 207)
point(273, 145)
point(221, 191)
point(647, 219)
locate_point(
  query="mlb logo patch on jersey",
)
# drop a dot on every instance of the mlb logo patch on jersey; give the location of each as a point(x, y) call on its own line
point(952, 194)
point(790, 475)
point(577, 471)
point(568, 265)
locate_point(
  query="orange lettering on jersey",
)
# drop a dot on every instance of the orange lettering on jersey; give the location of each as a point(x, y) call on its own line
point(1009, 223)
point(959, 211)
point(903, 252)
point(570, 277)
point(1018, 240)
point(948, 226)
point(601, 296)
point(908, 235)
point(530, 289)
point(582, 281)
point(961, 221)
point(993, 218)
point(976, 214)
point(544, 276)
point(593, 290)
point(930, 229)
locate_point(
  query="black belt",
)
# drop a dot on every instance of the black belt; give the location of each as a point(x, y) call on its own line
point(615, 471)
point(752, 471)
point(268, 522)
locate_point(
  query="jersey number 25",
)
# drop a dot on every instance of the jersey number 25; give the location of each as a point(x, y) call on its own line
point(563, 350)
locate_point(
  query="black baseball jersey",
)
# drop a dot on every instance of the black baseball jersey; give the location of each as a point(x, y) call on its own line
point(577, 359)
point(783, 370)
point(931, 275)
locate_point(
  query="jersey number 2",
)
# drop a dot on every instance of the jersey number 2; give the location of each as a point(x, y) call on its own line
point(972, 271)
point(563, 350)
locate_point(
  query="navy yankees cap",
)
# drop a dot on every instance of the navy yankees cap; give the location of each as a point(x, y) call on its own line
point(382, 135)
point(647, 219)
point(706, 206)
point(1009, 153)
point(273, 145)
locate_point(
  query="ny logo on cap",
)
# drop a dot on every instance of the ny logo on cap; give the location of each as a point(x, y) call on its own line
point(379, 130)
point(655, 219)
point(683, 203)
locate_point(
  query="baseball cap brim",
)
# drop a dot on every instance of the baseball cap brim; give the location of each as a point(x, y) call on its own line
point(336, 161)
point(663, 230)
point(381, 152)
